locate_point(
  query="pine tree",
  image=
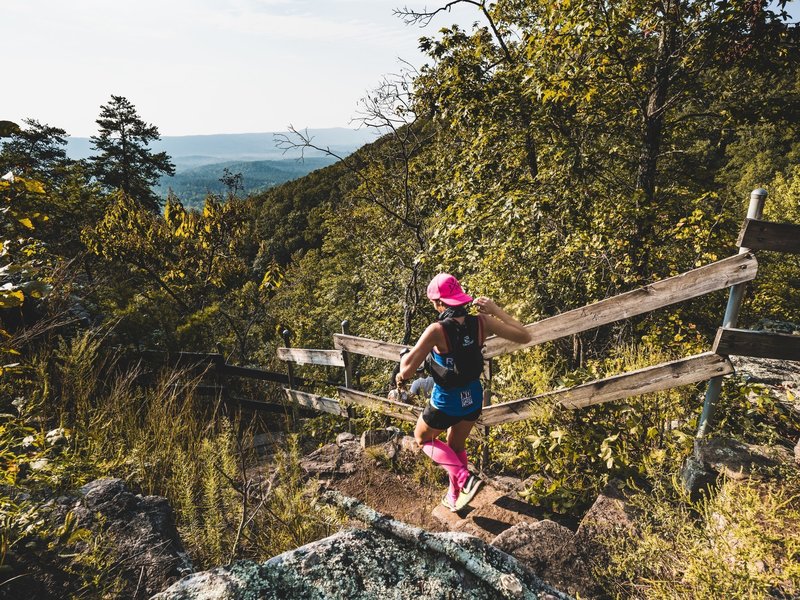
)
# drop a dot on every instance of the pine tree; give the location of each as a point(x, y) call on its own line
point(36, 151)
point(125, 160)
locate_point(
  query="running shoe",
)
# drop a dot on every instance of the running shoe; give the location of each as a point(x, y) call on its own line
point(468, 492)
point(449, 503)
point(472, 482)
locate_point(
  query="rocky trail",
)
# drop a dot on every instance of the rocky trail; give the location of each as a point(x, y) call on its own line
point(400, 541)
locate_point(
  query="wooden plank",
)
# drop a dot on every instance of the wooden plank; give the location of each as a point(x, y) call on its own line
point(234, 371)
point(710, 278)
point(183, 358)
point(765, 235)
point(368, 347)
point(693, 369)
point(307, 356)
point(761, 344)
point(316, 402)
point(398, 410)
point(268, 407)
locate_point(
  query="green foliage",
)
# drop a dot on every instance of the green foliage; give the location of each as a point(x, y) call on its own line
point(25, 257)
point(755, 414)
point(774, 291)
point(742, 542)
point(36, 151)
point(124, 160)
point(290, 517)
point(563, 153)
point(569, 455)
point(29, 527)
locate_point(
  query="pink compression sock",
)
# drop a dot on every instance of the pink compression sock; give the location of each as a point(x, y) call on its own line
point(454, 488)
point(443, 455)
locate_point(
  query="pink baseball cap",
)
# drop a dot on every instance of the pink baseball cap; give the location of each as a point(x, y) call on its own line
point(446, 288)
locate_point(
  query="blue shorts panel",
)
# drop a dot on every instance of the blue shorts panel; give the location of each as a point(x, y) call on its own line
point(458, 401)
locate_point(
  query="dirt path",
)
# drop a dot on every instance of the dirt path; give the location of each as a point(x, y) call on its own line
point(404, 484)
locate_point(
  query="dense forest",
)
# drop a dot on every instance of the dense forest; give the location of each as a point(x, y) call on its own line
point(556, 154)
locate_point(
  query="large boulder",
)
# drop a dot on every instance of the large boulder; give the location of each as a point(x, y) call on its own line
point(333, 459)
point(135, 535)
point(611, 516)
point(549, 550)
point(738, 460)
point(145, 541)
point(388, 560)
point(780, 378)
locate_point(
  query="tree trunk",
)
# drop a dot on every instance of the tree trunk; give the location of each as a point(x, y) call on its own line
point(652, 136)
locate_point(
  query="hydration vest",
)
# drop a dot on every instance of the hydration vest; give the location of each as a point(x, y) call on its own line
point(464, 361)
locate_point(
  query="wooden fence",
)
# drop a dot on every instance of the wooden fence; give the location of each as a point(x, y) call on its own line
point(732, 272)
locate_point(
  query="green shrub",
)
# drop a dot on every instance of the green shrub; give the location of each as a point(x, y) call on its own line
point(741, 542)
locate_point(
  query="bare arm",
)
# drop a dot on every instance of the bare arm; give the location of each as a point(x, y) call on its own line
point(432, 336)
point(503, 324)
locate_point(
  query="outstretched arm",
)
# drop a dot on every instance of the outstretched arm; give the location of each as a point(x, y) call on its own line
point(503, 324)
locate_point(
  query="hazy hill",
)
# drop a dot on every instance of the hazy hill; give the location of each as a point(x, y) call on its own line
point(190, 151)
point(192, 185)
point(200, 160)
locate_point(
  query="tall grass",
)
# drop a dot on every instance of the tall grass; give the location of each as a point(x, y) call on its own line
point(165, 439)
point(741, 542)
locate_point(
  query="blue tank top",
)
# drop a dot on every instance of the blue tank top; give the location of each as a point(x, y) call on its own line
point(458, 401)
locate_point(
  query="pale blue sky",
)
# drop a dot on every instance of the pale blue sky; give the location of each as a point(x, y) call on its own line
point(203, 66)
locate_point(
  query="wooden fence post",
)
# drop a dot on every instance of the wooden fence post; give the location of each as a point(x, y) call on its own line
point(754, 211)
point(487, 401)
point(348, 374)
point(287, 334)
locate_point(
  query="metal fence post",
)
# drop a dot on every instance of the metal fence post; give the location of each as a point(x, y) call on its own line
point(348, 374)
point(754, 211)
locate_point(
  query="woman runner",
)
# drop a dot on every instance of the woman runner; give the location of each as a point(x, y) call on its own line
point(451, 347)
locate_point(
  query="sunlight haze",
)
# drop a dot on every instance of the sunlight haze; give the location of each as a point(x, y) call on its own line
point(204, 66)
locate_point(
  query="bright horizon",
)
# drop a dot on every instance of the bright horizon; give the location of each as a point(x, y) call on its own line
point(205, 67)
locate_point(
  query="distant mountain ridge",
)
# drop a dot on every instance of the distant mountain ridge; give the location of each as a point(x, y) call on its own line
point(200, 160)
point(193, 185)
point(190, 151)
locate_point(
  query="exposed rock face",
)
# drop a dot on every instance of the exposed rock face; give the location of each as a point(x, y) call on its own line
point(565, 559)
point(733, 459)
point(549, 550)
point(376, 437)
point(149, 550)
point(696, 477)
point(609, 516)
point(137, 534)
point(782, 377)
point(345, 437)
point(738, 460)
point(343, 457)
point(389, 560)
point(333, 459)
point(488, 514)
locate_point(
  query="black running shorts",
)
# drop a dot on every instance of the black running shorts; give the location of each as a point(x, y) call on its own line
point(437, 419)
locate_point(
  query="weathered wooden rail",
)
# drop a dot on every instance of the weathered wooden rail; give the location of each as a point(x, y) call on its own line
point(731, 273)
